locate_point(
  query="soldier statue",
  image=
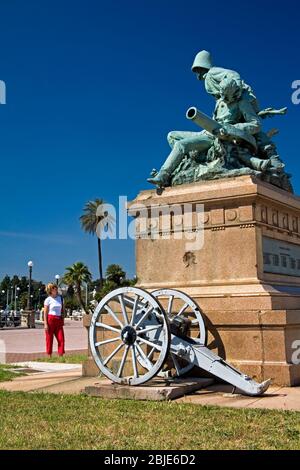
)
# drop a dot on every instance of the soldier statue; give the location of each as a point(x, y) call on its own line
point(236, 141)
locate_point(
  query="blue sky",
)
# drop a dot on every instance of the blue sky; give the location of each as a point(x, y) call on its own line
point(94, 86)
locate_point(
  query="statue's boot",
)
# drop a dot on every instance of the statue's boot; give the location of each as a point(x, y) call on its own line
point(198, 141)
point(162, 178)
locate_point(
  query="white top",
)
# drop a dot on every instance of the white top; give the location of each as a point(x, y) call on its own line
point(54, 304)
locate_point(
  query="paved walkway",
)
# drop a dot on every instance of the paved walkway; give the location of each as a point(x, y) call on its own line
point(66, 378)
point(21, 344)
point(49, 377)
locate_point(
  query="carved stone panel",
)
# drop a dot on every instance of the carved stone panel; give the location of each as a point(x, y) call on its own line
point(281, 257)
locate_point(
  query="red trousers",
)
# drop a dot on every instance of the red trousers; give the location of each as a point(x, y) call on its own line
point(55, 328)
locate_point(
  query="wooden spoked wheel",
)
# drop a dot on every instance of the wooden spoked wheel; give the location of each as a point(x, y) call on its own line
point(178, 304)
point(137, 336)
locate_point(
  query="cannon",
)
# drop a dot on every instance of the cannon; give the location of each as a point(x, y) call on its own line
point(151, 340)
point(228, 131)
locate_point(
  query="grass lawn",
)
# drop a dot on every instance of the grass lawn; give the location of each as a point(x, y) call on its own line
point(68, 359)
point(6, 373)
point(45, 421)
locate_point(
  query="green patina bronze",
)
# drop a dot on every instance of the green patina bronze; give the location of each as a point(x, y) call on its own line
point(232, 143)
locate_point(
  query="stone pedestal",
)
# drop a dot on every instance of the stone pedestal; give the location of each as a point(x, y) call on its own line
point(246, 277)
point(89, 367)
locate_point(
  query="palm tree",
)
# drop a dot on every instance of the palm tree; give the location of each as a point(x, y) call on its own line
point(115, 273)
point(74, 276)
point(91, 219)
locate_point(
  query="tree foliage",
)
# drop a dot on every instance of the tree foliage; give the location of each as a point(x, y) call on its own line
point(74, 277)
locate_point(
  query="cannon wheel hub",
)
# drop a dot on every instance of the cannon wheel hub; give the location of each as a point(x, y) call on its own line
point(128, 335)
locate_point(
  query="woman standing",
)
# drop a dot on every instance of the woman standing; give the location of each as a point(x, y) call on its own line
point(53, 320)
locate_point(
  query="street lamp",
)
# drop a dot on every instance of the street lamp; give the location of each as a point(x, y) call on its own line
point(11, 296)
point(3, 292)
point(57, 278)
point(7, 295)
point(16, 297)
point(86, 294)
point(30, 265)
point(40, 296)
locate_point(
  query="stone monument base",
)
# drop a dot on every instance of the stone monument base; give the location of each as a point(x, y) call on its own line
point(245, 278)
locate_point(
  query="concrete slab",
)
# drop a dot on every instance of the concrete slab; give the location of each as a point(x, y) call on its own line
point(156, 390)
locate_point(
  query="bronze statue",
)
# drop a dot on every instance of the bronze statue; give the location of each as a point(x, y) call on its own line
point(232, 142)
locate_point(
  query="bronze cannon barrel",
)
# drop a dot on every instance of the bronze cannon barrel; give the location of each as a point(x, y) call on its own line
point(202, 120)
point(231, 133)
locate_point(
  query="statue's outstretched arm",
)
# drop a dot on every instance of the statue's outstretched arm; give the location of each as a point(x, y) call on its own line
point(269, 112)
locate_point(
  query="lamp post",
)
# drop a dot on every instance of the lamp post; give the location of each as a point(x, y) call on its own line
point(16, 297)
point(7, 298)
point(86, 294)
point(3, 292)
point(40, 296)
point(57, 278)
point(11, 296)
point(7, 293)
point(30, 265)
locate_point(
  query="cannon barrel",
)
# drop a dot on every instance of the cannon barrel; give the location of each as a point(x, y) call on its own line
point(202, 120)
point(233, 134)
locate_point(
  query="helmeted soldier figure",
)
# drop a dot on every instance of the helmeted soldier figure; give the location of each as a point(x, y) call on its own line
point(236, 105)
point(214, 76)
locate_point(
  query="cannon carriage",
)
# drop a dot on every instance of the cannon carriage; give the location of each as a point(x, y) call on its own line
point(160, 333)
